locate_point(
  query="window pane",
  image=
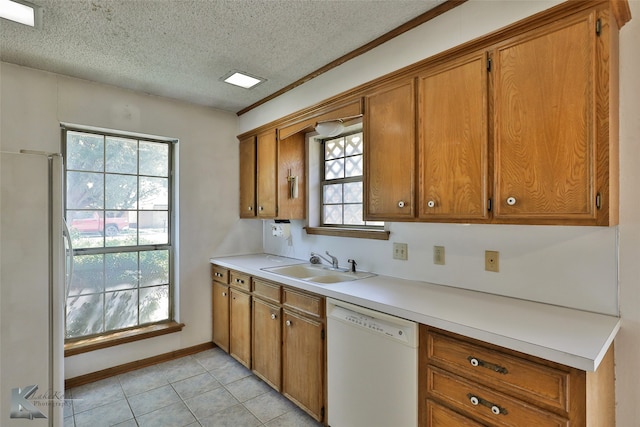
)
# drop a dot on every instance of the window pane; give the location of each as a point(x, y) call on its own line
point(119, 229)
point(88, 275)
point(353, 214)
point(121, 155)
point(154, 304)
point(353, 192)
point(353, 144)
point(334, 148)
point(332, 193)
point(85, 190)
point(121, 271)
point(332, 214)
point(154, 268)
point(353, 166)
point(121, 191)
point(121, 309)
point(334, 169)
point(154, 193)
point(85, 228)
point(84, 315)
point(85, 151)
point(153, 227)
point(154, 158)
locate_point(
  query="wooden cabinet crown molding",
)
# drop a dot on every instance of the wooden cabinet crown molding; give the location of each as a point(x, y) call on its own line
point(620, 10)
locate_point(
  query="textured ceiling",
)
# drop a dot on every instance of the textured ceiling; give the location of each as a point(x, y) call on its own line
point(181, 48)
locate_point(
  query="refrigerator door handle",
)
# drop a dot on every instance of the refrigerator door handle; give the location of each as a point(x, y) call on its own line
point(68, 256)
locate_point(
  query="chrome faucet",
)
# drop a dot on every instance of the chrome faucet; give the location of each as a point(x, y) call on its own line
point(333, 262)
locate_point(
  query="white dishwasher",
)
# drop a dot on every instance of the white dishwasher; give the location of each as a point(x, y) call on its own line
point(372, 368)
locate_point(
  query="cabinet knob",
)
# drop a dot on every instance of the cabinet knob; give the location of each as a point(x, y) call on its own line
point(401, 204)
point(250, 208)
point(261, 208)
point(288, 323)
point(224, 294)
point(511, 201)
point(474, 361)
point(273, 316)
point(496, 409)
point(431, 203)
point(474, 400)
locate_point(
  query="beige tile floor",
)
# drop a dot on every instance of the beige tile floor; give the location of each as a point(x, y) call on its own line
point(207, 389)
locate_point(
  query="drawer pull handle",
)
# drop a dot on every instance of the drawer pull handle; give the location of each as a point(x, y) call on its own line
point(240, 281)
point(478, 362)
point(495, 409)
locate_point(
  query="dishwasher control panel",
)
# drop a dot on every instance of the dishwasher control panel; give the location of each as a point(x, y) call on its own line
point(390, 328)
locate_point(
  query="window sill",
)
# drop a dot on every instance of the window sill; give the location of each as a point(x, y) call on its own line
point(73, 347)
point(353, 232)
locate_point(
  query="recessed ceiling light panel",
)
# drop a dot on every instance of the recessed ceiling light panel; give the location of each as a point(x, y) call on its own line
point(242, 79)
point(21, 11)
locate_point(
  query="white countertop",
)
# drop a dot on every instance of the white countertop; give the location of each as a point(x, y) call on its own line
point(571, 337)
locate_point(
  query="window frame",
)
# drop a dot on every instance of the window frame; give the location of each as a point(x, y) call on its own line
point(359, 178)
point(169, 323)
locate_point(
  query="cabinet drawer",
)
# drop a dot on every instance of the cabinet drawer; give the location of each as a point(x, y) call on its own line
point(526, 380)
point(266, 290)
point(220, 274)
point(241, 281)
point(307, 303)
point(485, 404)
point(439, 416)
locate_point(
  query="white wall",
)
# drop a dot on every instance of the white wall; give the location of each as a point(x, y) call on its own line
point(561, 265)
point(33, 105)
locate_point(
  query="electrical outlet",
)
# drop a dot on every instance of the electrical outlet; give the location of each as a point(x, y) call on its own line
point(438, 255)
point(492, 261)
point(400, 251)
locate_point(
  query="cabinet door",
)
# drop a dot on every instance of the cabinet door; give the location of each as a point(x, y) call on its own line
point(240, 327)
point(267, 174)
point(267, 342)
point(291, 177)
point(303, 363)
point(389, 152)
point(453, 141)
point(221, 316)
point(545, 94)
point(248, 177)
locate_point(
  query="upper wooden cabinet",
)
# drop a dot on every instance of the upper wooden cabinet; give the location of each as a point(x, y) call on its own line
point(292, 183)
point(267, 171)
point(248, 177)
point(389, 152)
point(553, 161)
point(267, 174)
point(519, 126)
point(453, 141)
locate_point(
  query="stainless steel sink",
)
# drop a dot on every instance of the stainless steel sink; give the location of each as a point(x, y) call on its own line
point(317, 273)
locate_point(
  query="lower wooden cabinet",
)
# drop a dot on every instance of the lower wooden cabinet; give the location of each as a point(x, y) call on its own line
point(240, 326)
point(220, 307)
point(267, 342)
point(303, 367)
point(465, 382)
point(276, 331)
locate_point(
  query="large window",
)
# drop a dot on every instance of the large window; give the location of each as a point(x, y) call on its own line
point(119, 212)
point(342, 190)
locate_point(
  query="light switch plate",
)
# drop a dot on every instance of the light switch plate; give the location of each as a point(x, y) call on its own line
point(438, 255)
point(401, 251)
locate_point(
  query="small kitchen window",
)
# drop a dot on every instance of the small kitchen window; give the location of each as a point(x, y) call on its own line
point(119, 210)
point(342, 182)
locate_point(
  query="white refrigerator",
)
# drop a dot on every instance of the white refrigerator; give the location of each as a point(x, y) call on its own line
point(33, 254)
